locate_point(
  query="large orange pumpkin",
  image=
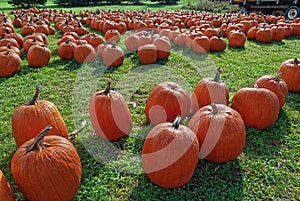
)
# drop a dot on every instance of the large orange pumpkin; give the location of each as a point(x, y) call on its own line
point(109, 114)
point(275, 84)
point(220, 131)
point(209, 91)
point(291, 73)
point(38, 56)
point(166, 101)
point(84, 53)
point(259, 107)
point(6, 194)
point(170, 154)
point(47, 168)
point(30, 118)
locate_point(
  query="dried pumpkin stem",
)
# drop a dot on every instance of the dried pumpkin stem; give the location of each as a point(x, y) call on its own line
point(38, 142)
point(214, 108)
point(107, 89)
point(217, 75)
point(35, 97)
point(176, 122)
point(278, 77)
point(296, 62)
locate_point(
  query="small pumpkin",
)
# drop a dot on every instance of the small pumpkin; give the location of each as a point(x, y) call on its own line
point(38, 56)
point(291, 73)
point(236, 38)
point(131, 42)
point(109, 114)
point(276, 85)
point(58, 164)
point(209, 91)
point(166, 101)
point(66, 49)
point(163, 46)
point(6, 193)
point(112, 35)
point(30, 118)
point(259, 107)
point(113, 55)
point(84, 53)
point(200, 44)
point(10, 63)
point(170, 154)
point(220, 131)
point(147, 54)
point(264, 35)
point(216, 43)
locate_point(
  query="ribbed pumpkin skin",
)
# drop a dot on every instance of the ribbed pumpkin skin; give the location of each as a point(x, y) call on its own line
point(10, 64)
point(169, 155)
point(208, 91)
point(166, 101)
point(279, 87)
point(291, 74)
point(258, 107)
point(221, 136)
point(110, 116)
point(6, 194)
point(38, 56)
point(52, 174)
point(28, 121)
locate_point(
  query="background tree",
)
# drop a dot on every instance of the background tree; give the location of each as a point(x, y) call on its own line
point(26, 3)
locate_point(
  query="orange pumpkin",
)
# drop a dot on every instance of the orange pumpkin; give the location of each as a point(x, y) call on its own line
point(6, 194)
point(10, 63)
point(166, 101)
point(291, 73)
point(30, 118)
point(38, 56)
point(220, 131)
point(58, 164)
point(170, 154)
point(110, 106)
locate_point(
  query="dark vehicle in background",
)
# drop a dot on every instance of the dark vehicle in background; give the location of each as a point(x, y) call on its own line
point(290, 8)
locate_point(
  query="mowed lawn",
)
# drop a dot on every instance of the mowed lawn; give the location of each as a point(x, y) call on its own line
point(268, 168)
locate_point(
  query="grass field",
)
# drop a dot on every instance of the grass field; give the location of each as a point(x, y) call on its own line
point(268, 168)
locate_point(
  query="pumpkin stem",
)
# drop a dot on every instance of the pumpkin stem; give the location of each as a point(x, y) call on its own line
point(38, 142)
point(217, 75)
point(35, 97)
point(296, 62)
point(220, 33)
point(278, 77)
point(176, 122)
point(107, 89)
point(214, 108)
point(6, 53)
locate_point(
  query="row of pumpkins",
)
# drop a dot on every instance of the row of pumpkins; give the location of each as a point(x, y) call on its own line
point(171, 151)
point(202, 32)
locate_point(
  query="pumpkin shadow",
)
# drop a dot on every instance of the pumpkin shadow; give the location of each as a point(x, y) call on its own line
point(210, 181)
point(265, 143)
point(236, 49)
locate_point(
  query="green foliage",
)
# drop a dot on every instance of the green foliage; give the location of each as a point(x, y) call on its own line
point(26, 3)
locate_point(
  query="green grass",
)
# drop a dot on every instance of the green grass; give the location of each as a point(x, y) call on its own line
point(268, 168)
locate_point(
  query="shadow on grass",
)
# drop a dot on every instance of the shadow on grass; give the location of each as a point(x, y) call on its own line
point(266, 143)
point(210, 181)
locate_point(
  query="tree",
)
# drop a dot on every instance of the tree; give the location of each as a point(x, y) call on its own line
point(26, 3)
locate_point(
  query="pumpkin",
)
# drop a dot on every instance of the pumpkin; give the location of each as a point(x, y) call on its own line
point(30, 42)
point(66, 49)
point(29, 118)
point(216, 43)
point(163, 46)
point(112, 35)
point(131, 42)
point(84, 53)
point(80, 29)
point(220, 131)
point(166, 101)
point(10, 48)
point(17, 37)
point(101, 47)
point(109, 114)
point(95, 40)
point(180, 40)
point(251, 34)
point(291, 73)
point(144, 39)
point(113, 55)
point(259, 107)
point(276, 85)
point(200, 44)
point(6, 193)
point(236, 38)
point(170, 154)
point(278, 33)
point(264, 35)
point(58, 164)
point(209, 91)
point(11, 41)
point(10, 63)
point(147, 54)
point(38, 56)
